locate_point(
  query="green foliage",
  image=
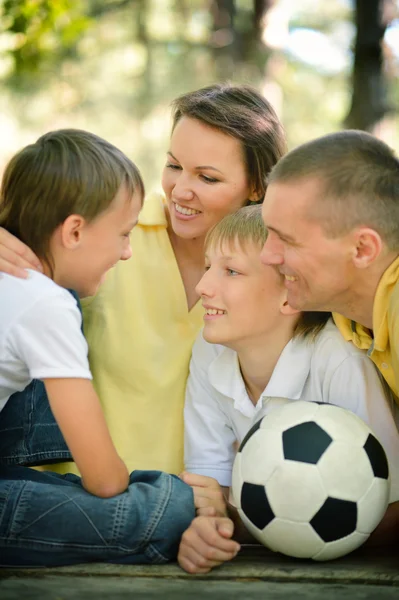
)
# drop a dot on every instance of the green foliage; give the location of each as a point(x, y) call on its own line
point(41, 30)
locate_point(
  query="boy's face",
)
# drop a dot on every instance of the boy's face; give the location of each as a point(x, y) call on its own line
point(241, 296)
point(103, 242)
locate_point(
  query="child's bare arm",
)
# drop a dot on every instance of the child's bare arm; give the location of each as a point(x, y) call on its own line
point(206, 544)
point(78, 412)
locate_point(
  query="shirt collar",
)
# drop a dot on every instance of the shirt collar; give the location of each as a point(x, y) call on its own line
point(358, 334)
point(153, 211)
point(287, 381)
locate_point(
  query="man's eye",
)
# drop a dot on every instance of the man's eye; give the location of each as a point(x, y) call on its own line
point(232, 272)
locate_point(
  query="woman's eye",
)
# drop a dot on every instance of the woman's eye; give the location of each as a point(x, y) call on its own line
point(173, 166)
point(232, 272)
point(208, 179)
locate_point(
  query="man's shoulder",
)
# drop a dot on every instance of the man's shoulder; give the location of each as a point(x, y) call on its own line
point(394, 298)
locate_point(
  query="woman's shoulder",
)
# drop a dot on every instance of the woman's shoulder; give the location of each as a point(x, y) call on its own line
point(153, 212)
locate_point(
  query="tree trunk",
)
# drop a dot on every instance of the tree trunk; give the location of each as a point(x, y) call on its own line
point(369, 97)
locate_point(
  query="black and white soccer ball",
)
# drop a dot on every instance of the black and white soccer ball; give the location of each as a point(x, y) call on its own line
point(311, 481)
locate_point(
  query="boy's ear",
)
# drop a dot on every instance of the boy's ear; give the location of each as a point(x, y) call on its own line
point(72, 231)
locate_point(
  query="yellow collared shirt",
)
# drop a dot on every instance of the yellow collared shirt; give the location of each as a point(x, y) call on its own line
point(383, 348)
point(140, 334)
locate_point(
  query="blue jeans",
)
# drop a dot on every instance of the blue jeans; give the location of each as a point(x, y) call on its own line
point(29, 434)
point(47, 519)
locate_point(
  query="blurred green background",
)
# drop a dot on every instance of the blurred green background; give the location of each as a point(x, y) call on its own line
point(113, 66)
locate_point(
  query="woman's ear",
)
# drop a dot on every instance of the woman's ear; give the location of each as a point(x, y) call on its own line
point(254, 196)
point(72, 231)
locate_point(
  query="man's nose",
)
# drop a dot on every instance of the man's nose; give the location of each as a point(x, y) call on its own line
point(272, 253)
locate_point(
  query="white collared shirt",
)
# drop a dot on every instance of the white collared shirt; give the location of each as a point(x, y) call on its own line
point(218, 411)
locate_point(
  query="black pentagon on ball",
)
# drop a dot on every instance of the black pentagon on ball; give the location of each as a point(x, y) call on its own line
point(249, 434)
point(255, 505)
point(335, 520)
point(377, 457)
point(306, 442)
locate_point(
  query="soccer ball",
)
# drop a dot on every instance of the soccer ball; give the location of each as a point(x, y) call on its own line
point(311, 480)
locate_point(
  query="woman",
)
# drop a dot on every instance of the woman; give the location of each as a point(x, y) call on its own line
point(142, 324)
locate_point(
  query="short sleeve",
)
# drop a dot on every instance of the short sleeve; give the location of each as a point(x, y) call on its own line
point(48, 338)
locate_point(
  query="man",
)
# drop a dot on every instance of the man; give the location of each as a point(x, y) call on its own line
point(332, 211)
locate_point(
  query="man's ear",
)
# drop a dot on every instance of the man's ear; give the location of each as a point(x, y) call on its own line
point(71, 231)
point(368, 246)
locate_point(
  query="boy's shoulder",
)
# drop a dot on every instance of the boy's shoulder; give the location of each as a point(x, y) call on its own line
point(20, 294)
point(330, 345)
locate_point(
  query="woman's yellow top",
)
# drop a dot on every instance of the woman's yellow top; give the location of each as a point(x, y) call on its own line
point(140, 335)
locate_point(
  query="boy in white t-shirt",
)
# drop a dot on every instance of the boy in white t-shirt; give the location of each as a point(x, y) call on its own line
point(73, 198)
point(255, 350)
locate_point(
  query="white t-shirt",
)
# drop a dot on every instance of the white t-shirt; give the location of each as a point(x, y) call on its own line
point(218, 411)
point(40, 333)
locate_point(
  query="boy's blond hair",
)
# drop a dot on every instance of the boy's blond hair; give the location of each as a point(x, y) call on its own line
point(246, 227)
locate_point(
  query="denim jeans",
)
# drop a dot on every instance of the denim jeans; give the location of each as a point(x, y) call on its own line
point(47, 519)
point(29, 434)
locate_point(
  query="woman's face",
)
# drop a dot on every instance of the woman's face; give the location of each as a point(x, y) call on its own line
point(204, 178)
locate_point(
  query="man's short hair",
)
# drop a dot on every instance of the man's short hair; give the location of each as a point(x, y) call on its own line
point(359, 182)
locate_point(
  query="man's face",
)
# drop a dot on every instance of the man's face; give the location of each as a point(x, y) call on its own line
point(318, 269)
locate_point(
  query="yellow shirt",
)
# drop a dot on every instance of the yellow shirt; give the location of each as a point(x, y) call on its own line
point(383, 347)
point(140, 335)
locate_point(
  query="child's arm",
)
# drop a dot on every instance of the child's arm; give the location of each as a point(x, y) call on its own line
point(206, 544)
point(78, 412)
point(46, 342)
point(209, 440)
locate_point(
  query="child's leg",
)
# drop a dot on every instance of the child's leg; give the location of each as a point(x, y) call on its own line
point(29, 434)
point(47, 519)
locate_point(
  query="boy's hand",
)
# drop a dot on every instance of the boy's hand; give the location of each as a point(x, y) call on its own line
point(208, 495)
point(207, 544)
